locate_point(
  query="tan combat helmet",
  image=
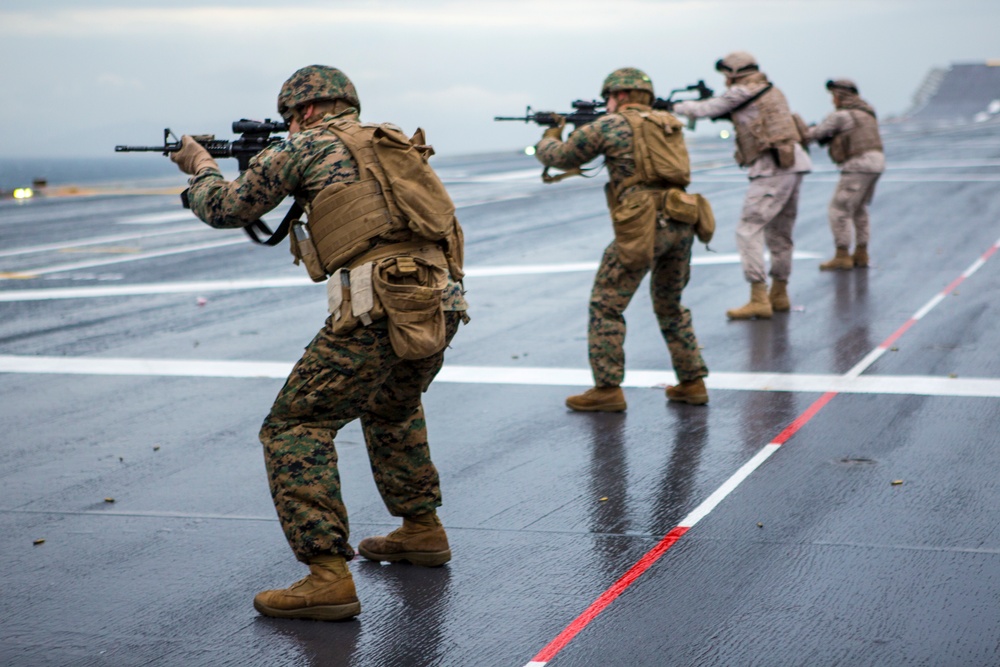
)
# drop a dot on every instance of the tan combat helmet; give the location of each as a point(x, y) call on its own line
point(316, 82)
point(737, 65)
point(626, 78)
point(847, 85)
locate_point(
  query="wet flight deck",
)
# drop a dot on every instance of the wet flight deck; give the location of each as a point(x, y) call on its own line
point(836, 503)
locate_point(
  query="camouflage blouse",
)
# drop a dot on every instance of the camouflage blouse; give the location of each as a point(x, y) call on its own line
point(610, 135)
point(301, 166)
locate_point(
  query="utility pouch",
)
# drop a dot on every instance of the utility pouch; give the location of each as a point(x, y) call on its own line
point(634, 221)
point(784, 155)
point(681, 206)
point(409, 289)
point(303, 249)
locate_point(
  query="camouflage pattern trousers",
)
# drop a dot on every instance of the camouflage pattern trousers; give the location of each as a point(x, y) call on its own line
point(341, 378)
point(768, 216)
point(849, 208)
point(614, 287)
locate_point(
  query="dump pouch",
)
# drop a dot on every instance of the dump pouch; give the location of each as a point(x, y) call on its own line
point(409, 289)
point(634, 221)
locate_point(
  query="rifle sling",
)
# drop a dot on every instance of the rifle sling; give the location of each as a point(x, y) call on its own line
point(278, 235)
point(745, 103)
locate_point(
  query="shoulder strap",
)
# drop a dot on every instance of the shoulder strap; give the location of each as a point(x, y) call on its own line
point(274, 238)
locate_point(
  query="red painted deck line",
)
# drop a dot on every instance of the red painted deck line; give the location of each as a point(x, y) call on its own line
point(671, 538)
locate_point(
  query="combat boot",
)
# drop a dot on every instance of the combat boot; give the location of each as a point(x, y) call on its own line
point(598, 399)
point(421, 540)
point(842, 261)
point(326, 594)
point(779, 297)
point(861, 257)
point(692, 392)
point(759, 305)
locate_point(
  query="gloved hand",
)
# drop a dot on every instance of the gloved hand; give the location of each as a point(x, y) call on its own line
point(192, 157)
point(555, 131)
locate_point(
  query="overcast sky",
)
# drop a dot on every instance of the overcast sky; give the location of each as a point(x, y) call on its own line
point(80, 76)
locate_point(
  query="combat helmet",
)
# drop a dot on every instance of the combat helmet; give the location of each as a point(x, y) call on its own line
point(316, 82)
point(626, 78)
point(737, 65)
point(843, 85)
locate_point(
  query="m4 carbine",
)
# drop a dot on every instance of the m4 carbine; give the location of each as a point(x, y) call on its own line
point(587, 111)
point(255, 136)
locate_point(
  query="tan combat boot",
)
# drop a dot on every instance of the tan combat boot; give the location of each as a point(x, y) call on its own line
point(327, 594)
point(779, 297)
point(842, 261)
point(421, 540)
point(692, 392)
point(861, 257)
point(759, 305)
point(598, 399)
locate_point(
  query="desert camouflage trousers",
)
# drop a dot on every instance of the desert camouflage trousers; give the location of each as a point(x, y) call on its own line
point(849, 208)
point(768, 217)
point(614, 287)
point(337, 380)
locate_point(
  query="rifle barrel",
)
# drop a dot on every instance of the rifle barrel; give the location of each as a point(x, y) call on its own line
point(146, 149)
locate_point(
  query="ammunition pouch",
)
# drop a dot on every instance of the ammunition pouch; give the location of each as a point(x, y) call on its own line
point(691, 209)
point(401, 283)
point(681, 206)
point(784, 155)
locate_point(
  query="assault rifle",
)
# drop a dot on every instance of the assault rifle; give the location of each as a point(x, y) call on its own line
point(587, 111)
point(255, 136)
point(584, 111)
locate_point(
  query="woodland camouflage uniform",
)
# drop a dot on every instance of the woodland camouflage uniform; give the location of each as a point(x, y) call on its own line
point(340, 377)
point(614, 285)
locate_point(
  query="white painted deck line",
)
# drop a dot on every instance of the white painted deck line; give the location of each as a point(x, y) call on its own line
point(532, 376)
point(205, 286)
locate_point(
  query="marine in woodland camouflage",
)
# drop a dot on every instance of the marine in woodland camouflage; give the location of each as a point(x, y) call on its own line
point(610, 135)
point(614, 286)
point(340, 377)
point(337, 380)
point(300, 166)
